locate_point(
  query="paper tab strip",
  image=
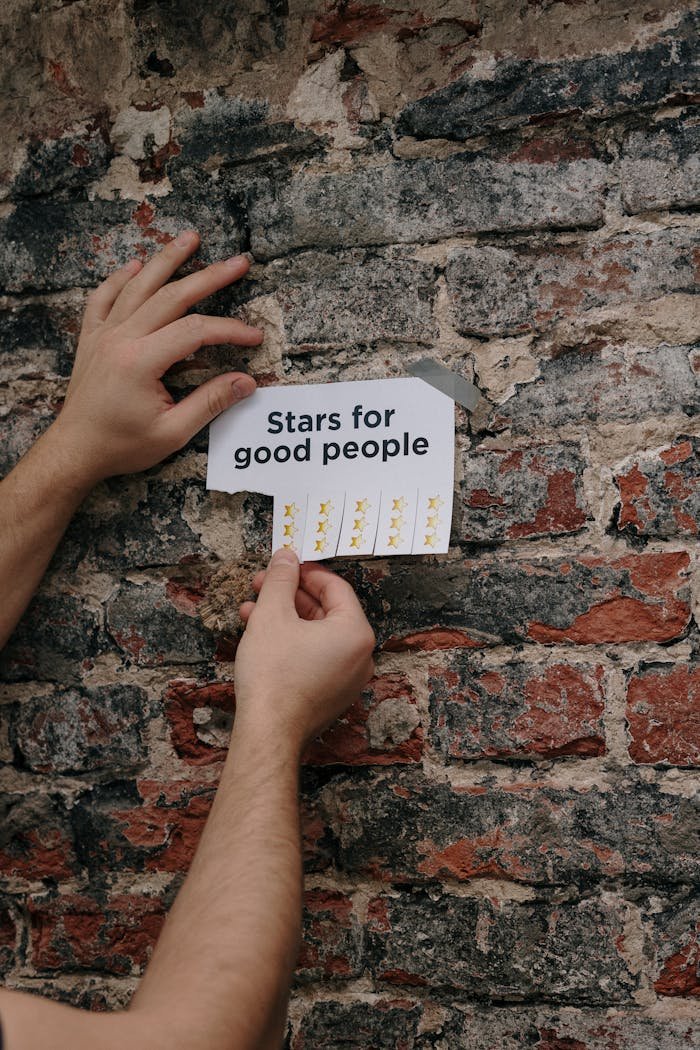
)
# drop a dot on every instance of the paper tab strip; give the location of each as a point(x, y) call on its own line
point(288, 523)
point(433, 520)
point(360, 520)
point(397, 516)
point(323, 521)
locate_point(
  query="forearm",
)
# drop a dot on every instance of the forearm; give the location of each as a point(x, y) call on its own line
point(37, 500)
point(221, 969)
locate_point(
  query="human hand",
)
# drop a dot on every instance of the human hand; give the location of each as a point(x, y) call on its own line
point(118, 416)
point(306, 652)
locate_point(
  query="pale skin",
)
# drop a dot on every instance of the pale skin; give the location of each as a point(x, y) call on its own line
point(220, 972)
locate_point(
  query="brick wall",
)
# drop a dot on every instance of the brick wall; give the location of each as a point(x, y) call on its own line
point(500, 838)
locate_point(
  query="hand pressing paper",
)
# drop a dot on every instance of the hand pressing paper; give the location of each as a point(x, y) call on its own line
point(354, 468)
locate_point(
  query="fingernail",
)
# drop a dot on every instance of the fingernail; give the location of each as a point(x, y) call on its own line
point(184, 238)
point(235, 260)
point(133, 265)
point(284, 554)
point(243, 387)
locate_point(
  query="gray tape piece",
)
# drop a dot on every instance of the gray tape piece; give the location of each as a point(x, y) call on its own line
point(446, 382)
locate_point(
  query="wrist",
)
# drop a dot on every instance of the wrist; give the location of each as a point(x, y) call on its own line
point(69, 459)
point(262, 733)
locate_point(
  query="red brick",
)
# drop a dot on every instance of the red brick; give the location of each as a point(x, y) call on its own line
point(199, 715)
point(37, 840)
point(168, 826)
point(660, 492)
point(486, 601)
point(77, 932)
point(330, 946)
point(516, 709)
point(663, 714)
point(522, 493)
point(381, 728)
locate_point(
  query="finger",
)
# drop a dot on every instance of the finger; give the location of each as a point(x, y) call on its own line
point(101, 299)
point(306, 605)
point(280, 584)
point(331, 592)
point(245, 610)
point(175, 299)
point(187, 417)
point(182, 338)
point(155, 273)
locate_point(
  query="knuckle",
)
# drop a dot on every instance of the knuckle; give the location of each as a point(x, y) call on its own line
point(171, 294)
point(193, 324)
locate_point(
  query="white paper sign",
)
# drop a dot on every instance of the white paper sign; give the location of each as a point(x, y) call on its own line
point(354, 468)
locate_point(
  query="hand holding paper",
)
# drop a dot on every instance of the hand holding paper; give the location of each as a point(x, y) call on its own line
point(354, 468)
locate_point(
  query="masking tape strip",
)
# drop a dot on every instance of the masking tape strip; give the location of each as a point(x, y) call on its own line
point(447, 382)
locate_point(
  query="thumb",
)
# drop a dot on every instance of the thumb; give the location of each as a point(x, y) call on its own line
point(206, 402)
point(281, 582)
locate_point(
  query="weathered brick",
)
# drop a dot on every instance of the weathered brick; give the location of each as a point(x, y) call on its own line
point(9, 936)
point(235, 130)
point(79, 156)
point(515, 709)
point(660, 491)
point(526, 833)
point(22, 425)
point(397, 1024)
point(354, 297)
point(152, 627)
point(423, 200)
point(383, 1024)
point(147, 826)
point(510, 494)
point(381, 728)
point(566, 952)
point(36, 840)
point(233, 39)
point(505, 291)
point(137, 525)
point(353, 22)
point(331, 938)
point(76, 932)
point(526, 91)
point(200, 717)
point(640, 597)
point(660, 167)
point(152, 826)
point(78, 730)
point(583, 387)
point(50, 244)
point(37, 340)
point(57, 635)
point(663, 714)
point(674, 932)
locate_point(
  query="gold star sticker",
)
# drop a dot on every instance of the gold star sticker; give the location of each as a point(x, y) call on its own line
point(288, 546)
point(396, 522)
point(325, 508)
point(434, 503)
point(394, 541)
point(361, 506)
point(432, 522)
point(398, 504)
point(290, 509)
point(322, 526)
point(360, 523)
point(355, 541)
point(290, 529)
point(320, 545)
point(430, 540)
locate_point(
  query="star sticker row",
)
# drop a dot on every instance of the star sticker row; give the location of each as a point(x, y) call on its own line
point(330, 523)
